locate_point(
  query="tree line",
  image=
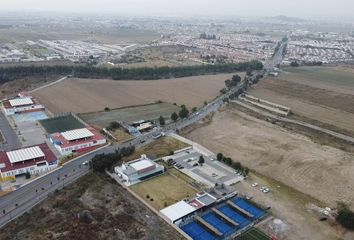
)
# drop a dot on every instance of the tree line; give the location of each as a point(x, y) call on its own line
point(144, 73)
point(103, 161)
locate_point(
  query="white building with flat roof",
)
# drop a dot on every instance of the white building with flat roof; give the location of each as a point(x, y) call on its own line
point(178, 212)
point(138, 170)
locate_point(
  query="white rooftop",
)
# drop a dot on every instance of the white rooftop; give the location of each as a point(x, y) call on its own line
point(25, 154)
point(141, 164)
point(77, 134)
point(21, 101)
point(177, 210)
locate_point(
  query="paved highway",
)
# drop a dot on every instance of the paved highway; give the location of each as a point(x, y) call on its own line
point(22, 200)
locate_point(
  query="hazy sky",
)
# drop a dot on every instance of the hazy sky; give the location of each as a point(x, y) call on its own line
point(301, 8)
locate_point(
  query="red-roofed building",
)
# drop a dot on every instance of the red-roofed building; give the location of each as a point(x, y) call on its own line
point(36, 159)
point(76, 140)
point(20, 104)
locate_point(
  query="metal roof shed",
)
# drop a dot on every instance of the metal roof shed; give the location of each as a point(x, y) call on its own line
point(177, 211)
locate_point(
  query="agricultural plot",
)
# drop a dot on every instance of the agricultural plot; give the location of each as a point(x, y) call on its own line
point(92, 95)
point(313, 95)
point(145, 112)
point(61, 124)
point(163, 191)
point(338, 79)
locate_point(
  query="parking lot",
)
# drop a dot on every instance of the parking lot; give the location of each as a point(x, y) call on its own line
point(28, 128)
point(210, 173)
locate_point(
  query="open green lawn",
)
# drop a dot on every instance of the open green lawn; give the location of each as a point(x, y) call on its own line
point(163, 190)
point(254, 234)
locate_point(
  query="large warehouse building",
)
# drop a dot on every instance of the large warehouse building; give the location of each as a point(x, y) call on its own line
point(21, 104)
point(138, 170)
point(76, 140)
point(35, 160)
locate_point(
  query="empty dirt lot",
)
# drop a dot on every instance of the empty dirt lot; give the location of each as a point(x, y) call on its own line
point(320, 171)
point(312, 98)
point(92, 95)
point(112, 213)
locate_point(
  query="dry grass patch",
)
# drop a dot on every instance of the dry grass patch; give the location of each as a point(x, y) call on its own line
point(163, 191)
point(159, 148)
point(121, 136)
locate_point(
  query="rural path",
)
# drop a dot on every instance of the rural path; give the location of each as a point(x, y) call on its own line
point(48, 85)
point(300, 123)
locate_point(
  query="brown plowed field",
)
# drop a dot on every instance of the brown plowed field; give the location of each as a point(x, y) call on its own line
point(325, 105)
point(91, 95)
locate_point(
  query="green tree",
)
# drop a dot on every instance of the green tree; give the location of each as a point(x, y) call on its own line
point(183, 113)
point(219, 156)
point(294, 64)
point(228, 83)
point(228, 161)
point(194, 109)
point(174, 116)
point(162, 121)
point(236, 165)
point(201, 160)
point(346, 218)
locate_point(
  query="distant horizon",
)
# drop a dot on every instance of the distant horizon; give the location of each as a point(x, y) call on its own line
point(305, 9)
point(188, 16)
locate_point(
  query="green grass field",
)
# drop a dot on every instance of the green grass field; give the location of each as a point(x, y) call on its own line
point(254, 234)
point(331, 75)
point(130, 114)
point(61, 124)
